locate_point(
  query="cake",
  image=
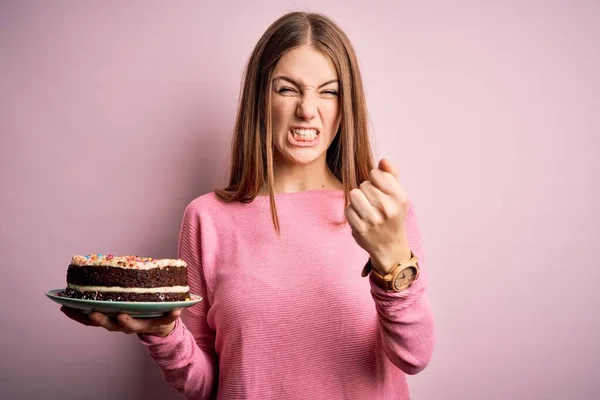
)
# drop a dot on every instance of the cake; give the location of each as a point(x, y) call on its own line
point(127, 278)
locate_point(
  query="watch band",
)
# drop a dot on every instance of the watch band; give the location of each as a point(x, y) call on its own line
point(400, 277)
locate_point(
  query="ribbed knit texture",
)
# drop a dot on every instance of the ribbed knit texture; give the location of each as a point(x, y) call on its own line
point(290, 317)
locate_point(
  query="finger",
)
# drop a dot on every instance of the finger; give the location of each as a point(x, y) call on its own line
point(384, 181)
point(386, 166)
point(356, 223)
point(77, 316)
point(147, 324)
point(106, 322)
point(386, 206)
point(374, 196)
point(360, 204)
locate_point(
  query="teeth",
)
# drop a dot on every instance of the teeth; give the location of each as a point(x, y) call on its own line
point(305, 132)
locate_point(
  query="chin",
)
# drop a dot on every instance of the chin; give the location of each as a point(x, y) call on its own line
point(304, 158)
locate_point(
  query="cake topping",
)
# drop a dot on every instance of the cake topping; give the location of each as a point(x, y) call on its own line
point(135, 262)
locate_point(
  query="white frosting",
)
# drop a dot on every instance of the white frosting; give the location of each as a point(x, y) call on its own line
point(169, 289)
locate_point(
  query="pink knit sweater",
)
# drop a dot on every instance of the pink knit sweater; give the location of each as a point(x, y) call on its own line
point(290, 317)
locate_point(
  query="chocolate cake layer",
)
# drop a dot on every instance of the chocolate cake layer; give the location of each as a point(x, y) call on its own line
point(126, 277)
point(120, 296)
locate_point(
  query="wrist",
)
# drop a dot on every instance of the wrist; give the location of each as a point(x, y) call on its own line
point(400, 276)
point(384, 260)
point(164, 332)
point(169, 329)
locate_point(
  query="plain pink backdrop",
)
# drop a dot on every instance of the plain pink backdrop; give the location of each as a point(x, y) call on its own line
point(114, 115)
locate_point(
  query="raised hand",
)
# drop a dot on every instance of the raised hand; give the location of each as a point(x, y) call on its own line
point(376, 215)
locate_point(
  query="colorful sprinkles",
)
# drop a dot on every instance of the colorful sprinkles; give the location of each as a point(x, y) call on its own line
point(129, 261)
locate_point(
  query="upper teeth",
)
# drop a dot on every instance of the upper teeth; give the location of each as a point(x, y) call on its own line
point(305, 131)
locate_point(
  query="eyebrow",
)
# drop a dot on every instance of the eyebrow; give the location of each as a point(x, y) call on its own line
point(294, 82)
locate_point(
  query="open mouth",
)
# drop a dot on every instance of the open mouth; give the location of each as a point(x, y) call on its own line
point(304, 135)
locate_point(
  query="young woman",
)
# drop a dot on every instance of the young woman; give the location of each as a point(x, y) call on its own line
point(277, 255)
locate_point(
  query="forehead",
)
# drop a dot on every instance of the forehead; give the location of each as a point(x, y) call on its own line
point(307, 65)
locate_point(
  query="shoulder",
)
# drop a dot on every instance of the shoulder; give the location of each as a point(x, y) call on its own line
point(203, 202)
point(206, 207)
point(201, 205)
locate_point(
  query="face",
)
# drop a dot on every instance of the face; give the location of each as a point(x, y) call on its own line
point(305, 107)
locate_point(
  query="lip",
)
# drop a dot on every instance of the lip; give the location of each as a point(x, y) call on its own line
point(296, 143)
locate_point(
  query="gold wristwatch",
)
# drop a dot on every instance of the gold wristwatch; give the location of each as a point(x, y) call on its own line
point(400, 277)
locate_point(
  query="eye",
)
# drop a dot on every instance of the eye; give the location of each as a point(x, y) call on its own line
point(330, 93)
point(286, 90)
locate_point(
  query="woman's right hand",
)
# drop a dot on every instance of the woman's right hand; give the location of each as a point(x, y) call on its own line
point(158, 326)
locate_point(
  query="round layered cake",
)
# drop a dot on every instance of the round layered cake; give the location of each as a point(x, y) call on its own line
point(127, 278)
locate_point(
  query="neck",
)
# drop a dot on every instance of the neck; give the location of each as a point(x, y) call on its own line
point(290, 178)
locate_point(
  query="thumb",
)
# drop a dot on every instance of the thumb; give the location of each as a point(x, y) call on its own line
point(387, 166)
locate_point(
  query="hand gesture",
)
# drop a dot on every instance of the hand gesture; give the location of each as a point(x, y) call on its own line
point(376, 215)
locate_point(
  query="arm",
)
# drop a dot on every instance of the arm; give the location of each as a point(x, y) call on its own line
point(186, 357)
point(384, 223)
point(406, 321)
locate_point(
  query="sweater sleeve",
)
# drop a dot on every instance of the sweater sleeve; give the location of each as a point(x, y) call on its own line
point(186, 357)
point(406, 321)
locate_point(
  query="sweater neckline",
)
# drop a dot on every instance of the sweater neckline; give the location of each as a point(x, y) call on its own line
point(303, 193)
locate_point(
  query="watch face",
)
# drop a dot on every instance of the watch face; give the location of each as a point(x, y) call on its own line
point(404, 278)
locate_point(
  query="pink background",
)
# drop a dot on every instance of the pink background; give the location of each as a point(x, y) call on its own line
point(114, 115)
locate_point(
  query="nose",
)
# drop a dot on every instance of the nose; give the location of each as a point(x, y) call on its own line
point(307, 108)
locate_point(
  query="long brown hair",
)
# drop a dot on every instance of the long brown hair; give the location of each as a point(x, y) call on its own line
point(349, 157)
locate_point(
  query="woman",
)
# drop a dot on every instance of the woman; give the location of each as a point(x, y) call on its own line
point(277, 254)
